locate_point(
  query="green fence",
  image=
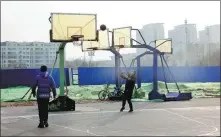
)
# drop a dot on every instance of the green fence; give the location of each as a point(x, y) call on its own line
point(90, 92)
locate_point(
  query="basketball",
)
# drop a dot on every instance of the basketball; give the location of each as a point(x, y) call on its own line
point(103, 27)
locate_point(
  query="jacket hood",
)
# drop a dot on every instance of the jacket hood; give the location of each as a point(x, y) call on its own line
point(44, 74)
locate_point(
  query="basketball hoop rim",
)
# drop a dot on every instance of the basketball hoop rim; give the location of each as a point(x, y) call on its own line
point(76, 37)
point(119, 46)
point(92, 48)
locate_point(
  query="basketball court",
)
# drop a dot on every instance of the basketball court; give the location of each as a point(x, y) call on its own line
point(198, 117)
point(187, 118)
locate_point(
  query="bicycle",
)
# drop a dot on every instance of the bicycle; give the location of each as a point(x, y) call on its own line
point(118, 91)
point(103, 94)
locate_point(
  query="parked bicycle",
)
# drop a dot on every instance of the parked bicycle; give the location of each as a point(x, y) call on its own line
point(106, 93)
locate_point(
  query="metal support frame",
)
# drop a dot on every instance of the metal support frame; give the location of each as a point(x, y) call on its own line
point(62, 102)
point(117, 71)
point(138, 73)
point(61, 66)
point(154, 93)
point(155, 67)
point(117, 61)
point(155, 53)
point(118, 56)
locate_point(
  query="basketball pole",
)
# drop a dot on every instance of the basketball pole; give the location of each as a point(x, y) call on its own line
point(117, 56)
point(61, 66)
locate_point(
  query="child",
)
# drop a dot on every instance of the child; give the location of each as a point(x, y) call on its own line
point(45, 84)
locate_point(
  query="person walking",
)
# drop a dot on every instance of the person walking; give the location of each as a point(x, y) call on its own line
point(45, 84)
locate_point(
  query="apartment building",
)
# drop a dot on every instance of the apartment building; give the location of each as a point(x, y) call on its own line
point(211, 34)
point(183, 34)
point(27, 54)
point(150, 32)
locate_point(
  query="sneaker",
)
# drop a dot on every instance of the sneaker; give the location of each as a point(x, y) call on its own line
point(41, 125)
point(46, 124)
point(122, 109)
point(131, 110)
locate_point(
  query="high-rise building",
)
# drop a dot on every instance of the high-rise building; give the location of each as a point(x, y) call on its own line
point(27, 54)
point(150, 32)
point(185, 33)
point(211, 34)
point(182, 36)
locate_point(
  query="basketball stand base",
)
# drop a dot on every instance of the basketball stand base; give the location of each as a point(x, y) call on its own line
point(176, 96)
point(154, 94)
point(171, 96)
point(61, 103)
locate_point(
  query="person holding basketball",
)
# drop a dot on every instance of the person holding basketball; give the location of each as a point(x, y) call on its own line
point(129, 87)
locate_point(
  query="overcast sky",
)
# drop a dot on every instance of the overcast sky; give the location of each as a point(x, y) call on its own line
point(28, 21)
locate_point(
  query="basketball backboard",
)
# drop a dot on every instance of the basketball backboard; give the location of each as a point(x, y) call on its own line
point(122, 36)
point(103, 42)
point(65, 25)
point(164, 45)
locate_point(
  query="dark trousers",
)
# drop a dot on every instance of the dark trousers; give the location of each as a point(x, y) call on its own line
point(43, 109)
point(128, 99)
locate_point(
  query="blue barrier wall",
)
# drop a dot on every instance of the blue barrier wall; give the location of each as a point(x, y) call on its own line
point(104, 75)
point(26, 77)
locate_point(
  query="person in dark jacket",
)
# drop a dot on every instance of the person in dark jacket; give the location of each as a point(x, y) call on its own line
point(129, 87)
point(45, 84)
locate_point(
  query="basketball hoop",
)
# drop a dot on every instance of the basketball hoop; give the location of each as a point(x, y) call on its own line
point(77, 40)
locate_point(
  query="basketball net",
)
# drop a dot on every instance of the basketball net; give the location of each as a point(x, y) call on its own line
point(91, 53)
point(78, 42)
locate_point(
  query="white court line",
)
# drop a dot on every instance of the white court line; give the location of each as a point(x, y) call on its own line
point(215, 129)
point(211, 117)
point(113, 111)
point(74, 129)
point(199, 108)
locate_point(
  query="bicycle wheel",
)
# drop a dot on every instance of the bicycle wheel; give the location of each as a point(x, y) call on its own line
point(102, 95)
point(120, 93)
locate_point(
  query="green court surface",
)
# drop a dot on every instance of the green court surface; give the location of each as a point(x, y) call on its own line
point(199, 90)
